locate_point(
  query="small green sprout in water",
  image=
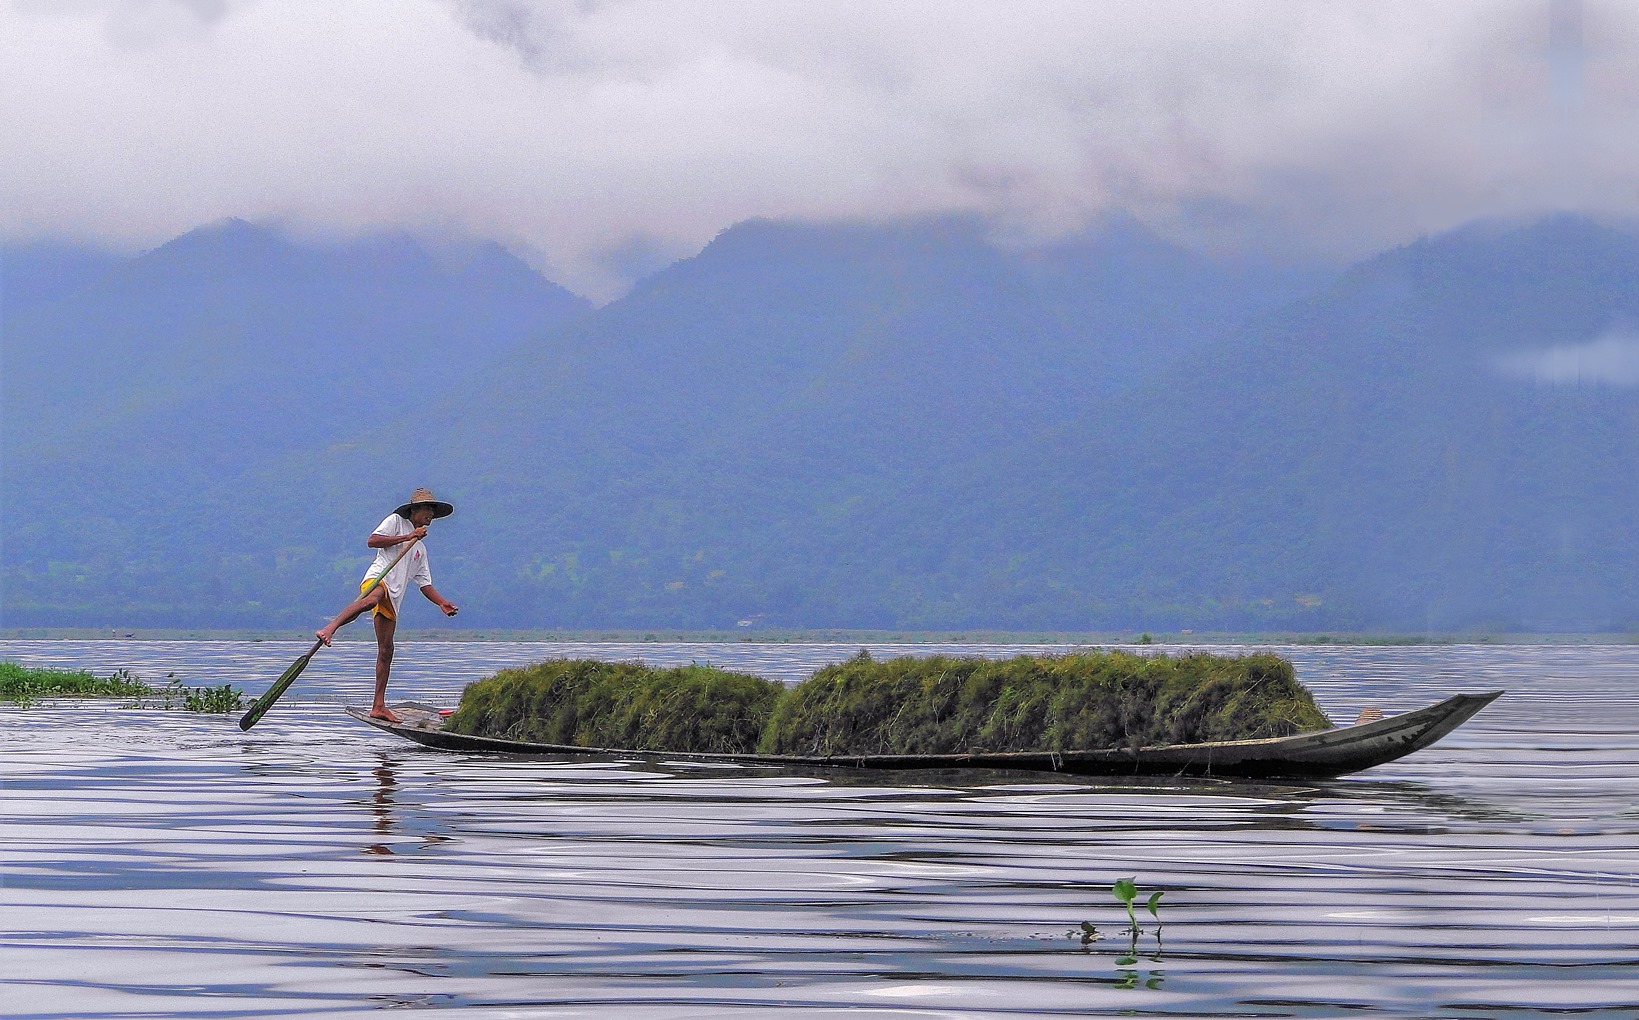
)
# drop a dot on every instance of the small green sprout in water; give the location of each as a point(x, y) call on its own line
point(1126, 890)
point(1128, 967)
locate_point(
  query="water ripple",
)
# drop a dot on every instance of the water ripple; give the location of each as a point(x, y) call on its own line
point(164, 864)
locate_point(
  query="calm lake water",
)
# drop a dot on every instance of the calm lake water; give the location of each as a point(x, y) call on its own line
point(164, 864)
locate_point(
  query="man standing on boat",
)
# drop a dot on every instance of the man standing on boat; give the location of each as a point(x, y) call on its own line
point(384, 595)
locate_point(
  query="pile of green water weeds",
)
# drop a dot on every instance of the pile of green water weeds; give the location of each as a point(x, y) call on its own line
point(25, 686)
point(586, 703)
point(934, 705)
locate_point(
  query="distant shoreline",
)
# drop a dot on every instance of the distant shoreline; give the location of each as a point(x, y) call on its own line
point(771, 636)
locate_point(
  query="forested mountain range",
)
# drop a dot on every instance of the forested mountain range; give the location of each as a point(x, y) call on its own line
point(832, 425)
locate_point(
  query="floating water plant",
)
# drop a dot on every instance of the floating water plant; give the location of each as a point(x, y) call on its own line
point(26, 686)
point(1126, 890)
point(216, 700)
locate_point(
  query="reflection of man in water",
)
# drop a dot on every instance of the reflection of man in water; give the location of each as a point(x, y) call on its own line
point(406, 524)
point(383, 806)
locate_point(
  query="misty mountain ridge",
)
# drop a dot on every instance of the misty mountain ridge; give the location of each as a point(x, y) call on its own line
point(233, 319)
point(901, 425)
point(1363, 451)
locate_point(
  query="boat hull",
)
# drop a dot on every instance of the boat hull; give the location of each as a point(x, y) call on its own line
point(1326, 753)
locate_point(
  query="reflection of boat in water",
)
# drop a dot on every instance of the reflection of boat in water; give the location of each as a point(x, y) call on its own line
point(1325, 753)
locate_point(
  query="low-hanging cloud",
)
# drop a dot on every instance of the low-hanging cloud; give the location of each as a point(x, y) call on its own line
point(1608, 360)
point(579, 131)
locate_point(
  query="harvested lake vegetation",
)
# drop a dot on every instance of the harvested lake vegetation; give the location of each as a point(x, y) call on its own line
point(907, 705)
point(586, 703)
point(25, 686)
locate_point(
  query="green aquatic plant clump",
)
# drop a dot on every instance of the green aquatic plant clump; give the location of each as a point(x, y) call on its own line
point(23, 685)
point(213, 700)
point(587, 703)
point(1078, 701)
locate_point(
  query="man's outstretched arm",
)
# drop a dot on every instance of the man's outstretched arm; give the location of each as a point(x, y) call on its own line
point(449, 608)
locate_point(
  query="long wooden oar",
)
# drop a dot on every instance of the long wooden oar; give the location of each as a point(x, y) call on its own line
point(254, 714)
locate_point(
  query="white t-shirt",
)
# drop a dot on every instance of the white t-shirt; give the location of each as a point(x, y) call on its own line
point(411, 568)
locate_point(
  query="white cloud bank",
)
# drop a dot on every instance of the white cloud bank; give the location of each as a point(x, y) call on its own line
point(591, 133)
point(1609, 360)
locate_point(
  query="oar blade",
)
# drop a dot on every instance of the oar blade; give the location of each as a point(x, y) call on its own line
point(259, 708)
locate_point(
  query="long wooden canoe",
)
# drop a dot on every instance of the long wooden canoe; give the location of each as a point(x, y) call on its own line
point(1333, 752)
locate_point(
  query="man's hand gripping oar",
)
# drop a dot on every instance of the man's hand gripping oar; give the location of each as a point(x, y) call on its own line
point(254, 714)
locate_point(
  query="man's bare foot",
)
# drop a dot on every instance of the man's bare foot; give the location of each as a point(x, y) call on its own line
point(324, 634)
point(383, 712)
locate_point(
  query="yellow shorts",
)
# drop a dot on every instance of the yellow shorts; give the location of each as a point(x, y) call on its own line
point(384, 608)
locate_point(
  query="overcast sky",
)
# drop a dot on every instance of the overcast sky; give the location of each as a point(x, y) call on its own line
point(597, 137)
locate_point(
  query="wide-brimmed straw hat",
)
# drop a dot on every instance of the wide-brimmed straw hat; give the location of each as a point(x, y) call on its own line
point(425, 497)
